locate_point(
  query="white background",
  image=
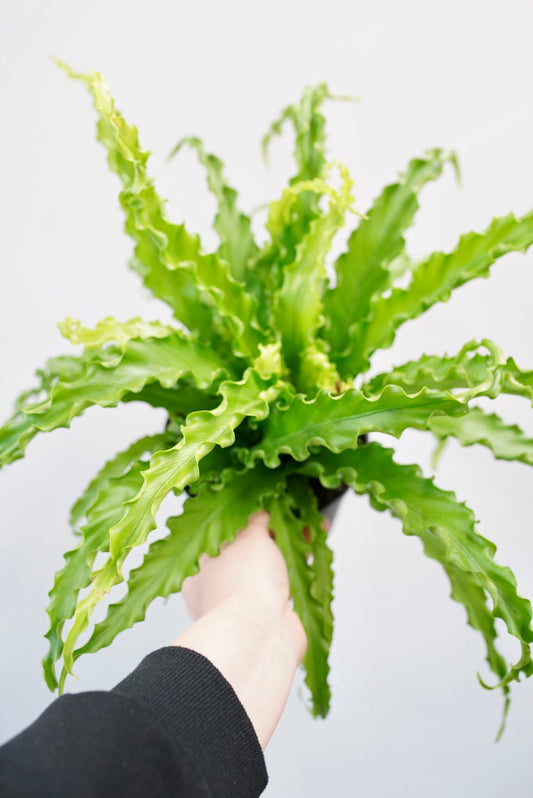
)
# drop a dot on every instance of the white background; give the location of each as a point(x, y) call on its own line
point(408, 717)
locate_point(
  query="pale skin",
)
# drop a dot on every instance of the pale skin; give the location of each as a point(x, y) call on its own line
point(244, 623)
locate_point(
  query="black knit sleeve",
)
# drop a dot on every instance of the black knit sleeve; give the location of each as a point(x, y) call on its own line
point(173, 727)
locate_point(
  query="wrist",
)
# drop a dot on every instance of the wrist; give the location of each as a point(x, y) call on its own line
point(267, 616)
point(252, 619)
point(257, 644)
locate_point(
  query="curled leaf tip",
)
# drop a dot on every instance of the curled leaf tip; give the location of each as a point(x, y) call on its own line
point(270, 360)
point(192, 141)
point(58, 62)
point(506, 705)
point(454, 160)
point(437, 453)
point(68, 69)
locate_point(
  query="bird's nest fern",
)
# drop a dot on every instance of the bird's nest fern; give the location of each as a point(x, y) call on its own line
point(257, 377)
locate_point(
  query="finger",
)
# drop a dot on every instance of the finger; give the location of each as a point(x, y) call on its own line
point(259, 518)
point(259, 524)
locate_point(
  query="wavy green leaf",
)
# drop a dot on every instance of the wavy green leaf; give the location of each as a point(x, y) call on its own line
point(109, 329)
point(447, 530)
point(215, 515)
point(321, 565)
point(213, 466)
point(19, 428)
point(316, 371)
point(311, 583)
point(199, 288)
point(506, 441)
point(164, 360)
point(309, 128)
point(103, 505)
point(285, 234)
point(363, 270)
point(517, 382)
point(114, 468)
point(319, 560)
point(145, 220)
point(237, 244)
point(297, 306)
point(336, 422)
point(479, 367)
point(296, 210)
point(172, 470)
point(471, 366)
point(432, 281)
point(180, 400)
point(281, 212)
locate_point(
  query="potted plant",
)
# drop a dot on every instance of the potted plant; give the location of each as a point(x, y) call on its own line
point(258, 379)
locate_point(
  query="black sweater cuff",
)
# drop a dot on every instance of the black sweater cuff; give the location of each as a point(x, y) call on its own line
point(203, 714)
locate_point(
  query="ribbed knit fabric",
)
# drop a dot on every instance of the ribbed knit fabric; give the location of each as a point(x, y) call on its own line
point(204, 716)
point(174, 728)
point(97, 745)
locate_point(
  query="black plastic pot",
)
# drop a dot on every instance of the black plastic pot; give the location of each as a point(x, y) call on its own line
point(329, 499)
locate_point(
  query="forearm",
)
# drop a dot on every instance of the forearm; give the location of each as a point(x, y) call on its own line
point(257, 646)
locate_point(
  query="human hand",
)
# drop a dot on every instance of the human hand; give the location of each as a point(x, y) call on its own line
point(251, 566)
point(244, 623)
